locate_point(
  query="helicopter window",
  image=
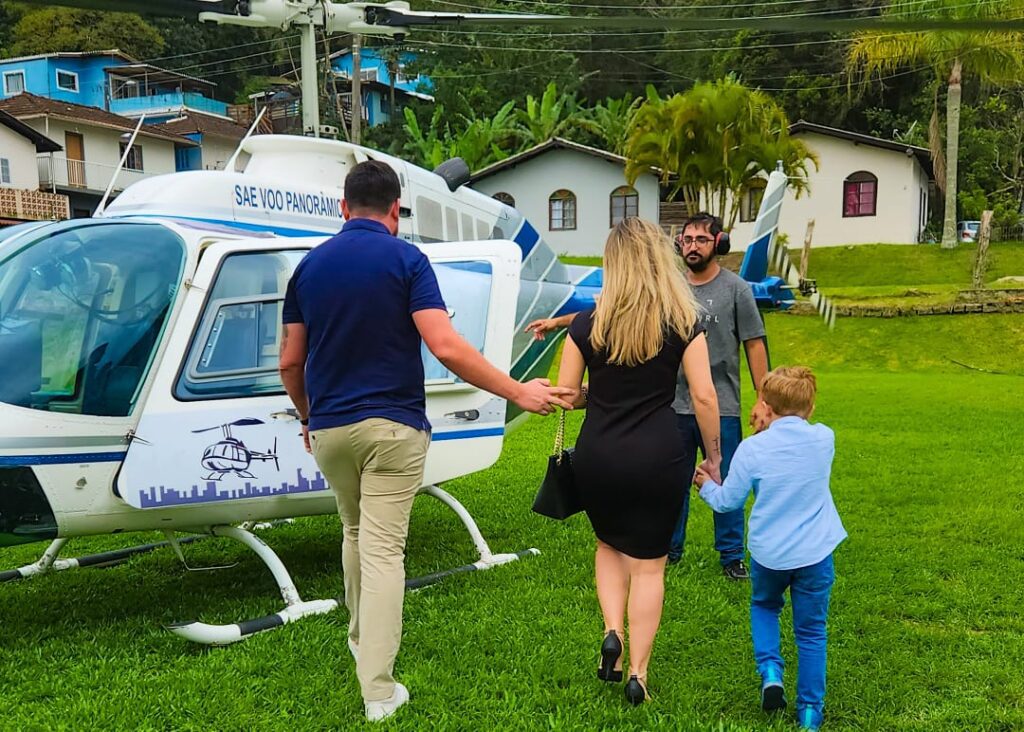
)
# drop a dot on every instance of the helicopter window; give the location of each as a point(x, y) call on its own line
point(235, 351)
point(82, 310)
point(483, 231)
point(430, 224)
point(467, 227)
point(464, 286)
point(452, 218)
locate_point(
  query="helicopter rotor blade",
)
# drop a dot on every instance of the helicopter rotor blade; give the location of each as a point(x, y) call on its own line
point(397, 19)
point(246, 422)
point(168, 8)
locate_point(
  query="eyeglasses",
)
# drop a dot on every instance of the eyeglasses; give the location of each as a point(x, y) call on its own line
point(701, 241)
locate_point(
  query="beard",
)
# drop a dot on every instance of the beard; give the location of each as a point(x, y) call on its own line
point(696, 263)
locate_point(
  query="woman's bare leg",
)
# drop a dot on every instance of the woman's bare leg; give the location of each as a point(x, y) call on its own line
point(612, 576)
point(646, 596)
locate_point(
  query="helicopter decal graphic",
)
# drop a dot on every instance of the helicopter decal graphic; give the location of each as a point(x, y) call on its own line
point(230, 455)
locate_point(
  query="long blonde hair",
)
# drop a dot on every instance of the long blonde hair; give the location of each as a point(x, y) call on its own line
point(644, 294)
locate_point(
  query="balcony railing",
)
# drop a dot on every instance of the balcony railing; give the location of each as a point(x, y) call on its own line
point(57, 171)
point(134, 106)
point(26, 205)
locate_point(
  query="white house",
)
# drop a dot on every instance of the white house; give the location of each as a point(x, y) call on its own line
point(866, 190)
point(571, 193)
point(218, 138)
point(94, 141)
point(20, 197)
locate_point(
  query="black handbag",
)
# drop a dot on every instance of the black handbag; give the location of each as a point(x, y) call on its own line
point(558, 496)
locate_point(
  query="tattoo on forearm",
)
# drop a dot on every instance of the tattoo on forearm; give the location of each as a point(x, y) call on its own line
point(716, 447)
point(284, 337)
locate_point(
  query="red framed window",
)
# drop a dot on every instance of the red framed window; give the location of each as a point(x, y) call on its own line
point(860, 194)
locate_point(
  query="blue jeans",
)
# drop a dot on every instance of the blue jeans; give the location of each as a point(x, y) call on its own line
point(728, 526)
point(809, 591)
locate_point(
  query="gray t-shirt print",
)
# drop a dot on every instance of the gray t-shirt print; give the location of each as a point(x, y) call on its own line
point(730, 317)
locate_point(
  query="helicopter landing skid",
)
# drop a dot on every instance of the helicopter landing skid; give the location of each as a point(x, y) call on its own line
point(296, 608)
point(50, 563)
point(487, 558)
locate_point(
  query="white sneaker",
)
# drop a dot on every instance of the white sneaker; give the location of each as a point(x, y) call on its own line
point(378, 710)
point(354, 650)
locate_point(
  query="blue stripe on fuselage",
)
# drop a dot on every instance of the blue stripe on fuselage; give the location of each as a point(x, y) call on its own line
point(81, 458)
point(527, 238)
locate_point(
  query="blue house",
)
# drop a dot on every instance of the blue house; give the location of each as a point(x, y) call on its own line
point(376, 83)
point(111, 81)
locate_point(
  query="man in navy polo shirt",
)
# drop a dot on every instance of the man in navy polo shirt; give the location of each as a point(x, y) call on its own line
point(357, 310)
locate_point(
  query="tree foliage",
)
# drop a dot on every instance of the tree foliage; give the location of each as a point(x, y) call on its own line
point(61, 29)
point(714, 143)
point(993, 57)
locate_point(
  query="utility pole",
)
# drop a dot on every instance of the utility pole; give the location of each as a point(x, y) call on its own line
point(357, 88)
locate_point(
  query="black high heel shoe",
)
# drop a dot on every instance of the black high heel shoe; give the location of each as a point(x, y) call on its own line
point(636, 692)
point(611, 652)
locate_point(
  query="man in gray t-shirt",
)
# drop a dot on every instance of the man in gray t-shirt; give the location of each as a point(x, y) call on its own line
point(731, 318)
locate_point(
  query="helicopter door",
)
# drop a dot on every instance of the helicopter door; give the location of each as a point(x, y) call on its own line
point(218, 427)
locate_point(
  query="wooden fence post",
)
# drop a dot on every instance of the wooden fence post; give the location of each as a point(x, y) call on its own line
point(806, 255)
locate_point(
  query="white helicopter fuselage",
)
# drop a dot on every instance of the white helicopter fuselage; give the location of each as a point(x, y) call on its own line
point(123, 338)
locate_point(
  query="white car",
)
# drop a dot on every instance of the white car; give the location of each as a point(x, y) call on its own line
point(968, 230)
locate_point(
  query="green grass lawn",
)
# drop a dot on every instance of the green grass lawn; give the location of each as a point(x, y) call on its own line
point(927, 629)
point(919, 275)
point(895, 274)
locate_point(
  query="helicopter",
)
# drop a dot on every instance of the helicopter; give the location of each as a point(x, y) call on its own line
point(124, 336)
point(230, 455)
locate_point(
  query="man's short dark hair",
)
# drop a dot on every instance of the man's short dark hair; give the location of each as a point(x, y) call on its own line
point(372, 186)
point(702, 220)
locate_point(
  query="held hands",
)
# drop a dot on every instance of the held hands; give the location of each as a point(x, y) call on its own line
point(541, 328)
point(708, 470)
point(759, 416)
point(539, 397)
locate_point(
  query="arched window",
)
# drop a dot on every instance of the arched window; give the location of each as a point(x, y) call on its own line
point(625, 201)
point(860, 194)
point(505, 198)
point(562, 211)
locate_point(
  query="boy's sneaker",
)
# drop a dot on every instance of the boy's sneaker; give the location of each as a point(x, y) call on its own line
point(378, 710)
point(809, 718)
point(736, 570)
point(773, 694)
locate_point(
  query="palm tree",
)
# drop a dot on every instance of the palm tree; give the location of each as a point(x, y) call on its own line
point(993, 57)
point(713, 144)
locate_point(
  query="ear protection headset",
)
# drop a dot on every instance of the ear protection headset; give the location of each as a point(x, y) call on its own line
point(714, 225)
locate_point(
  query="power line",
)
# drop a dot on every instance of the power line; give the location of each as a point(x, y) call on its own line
point(687, 6)
point(219, 50)
point(875, 12)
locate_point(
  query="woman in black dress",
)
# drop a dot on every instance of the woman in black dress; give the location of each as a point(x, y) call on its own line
point(629, 460)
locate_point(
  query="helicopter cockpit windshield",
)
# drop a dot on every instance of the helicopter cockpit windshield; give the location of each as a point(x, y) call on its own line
point(82, 309)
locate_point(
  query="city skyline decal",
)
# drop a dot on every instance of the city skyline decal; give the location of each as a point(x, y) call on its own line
point(213, 491)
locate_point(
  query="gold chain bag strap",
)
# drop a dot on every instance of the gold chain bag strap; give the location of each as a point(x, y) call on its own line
point(558, 496)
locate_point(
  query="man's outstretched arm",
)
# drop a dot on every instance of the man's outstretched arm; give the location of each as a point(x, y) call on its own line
point(459, 356)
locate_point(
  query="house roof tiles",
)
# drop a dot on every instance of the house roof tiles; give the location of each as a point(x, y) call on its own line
point(29, 106)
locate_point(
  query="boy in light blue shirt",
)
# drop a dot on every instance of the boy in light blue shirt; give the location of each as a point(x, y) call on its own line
point(794, 528)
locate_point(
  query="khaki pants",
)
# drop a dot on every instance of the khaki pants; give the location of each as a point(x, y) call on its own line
point(375, 468)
